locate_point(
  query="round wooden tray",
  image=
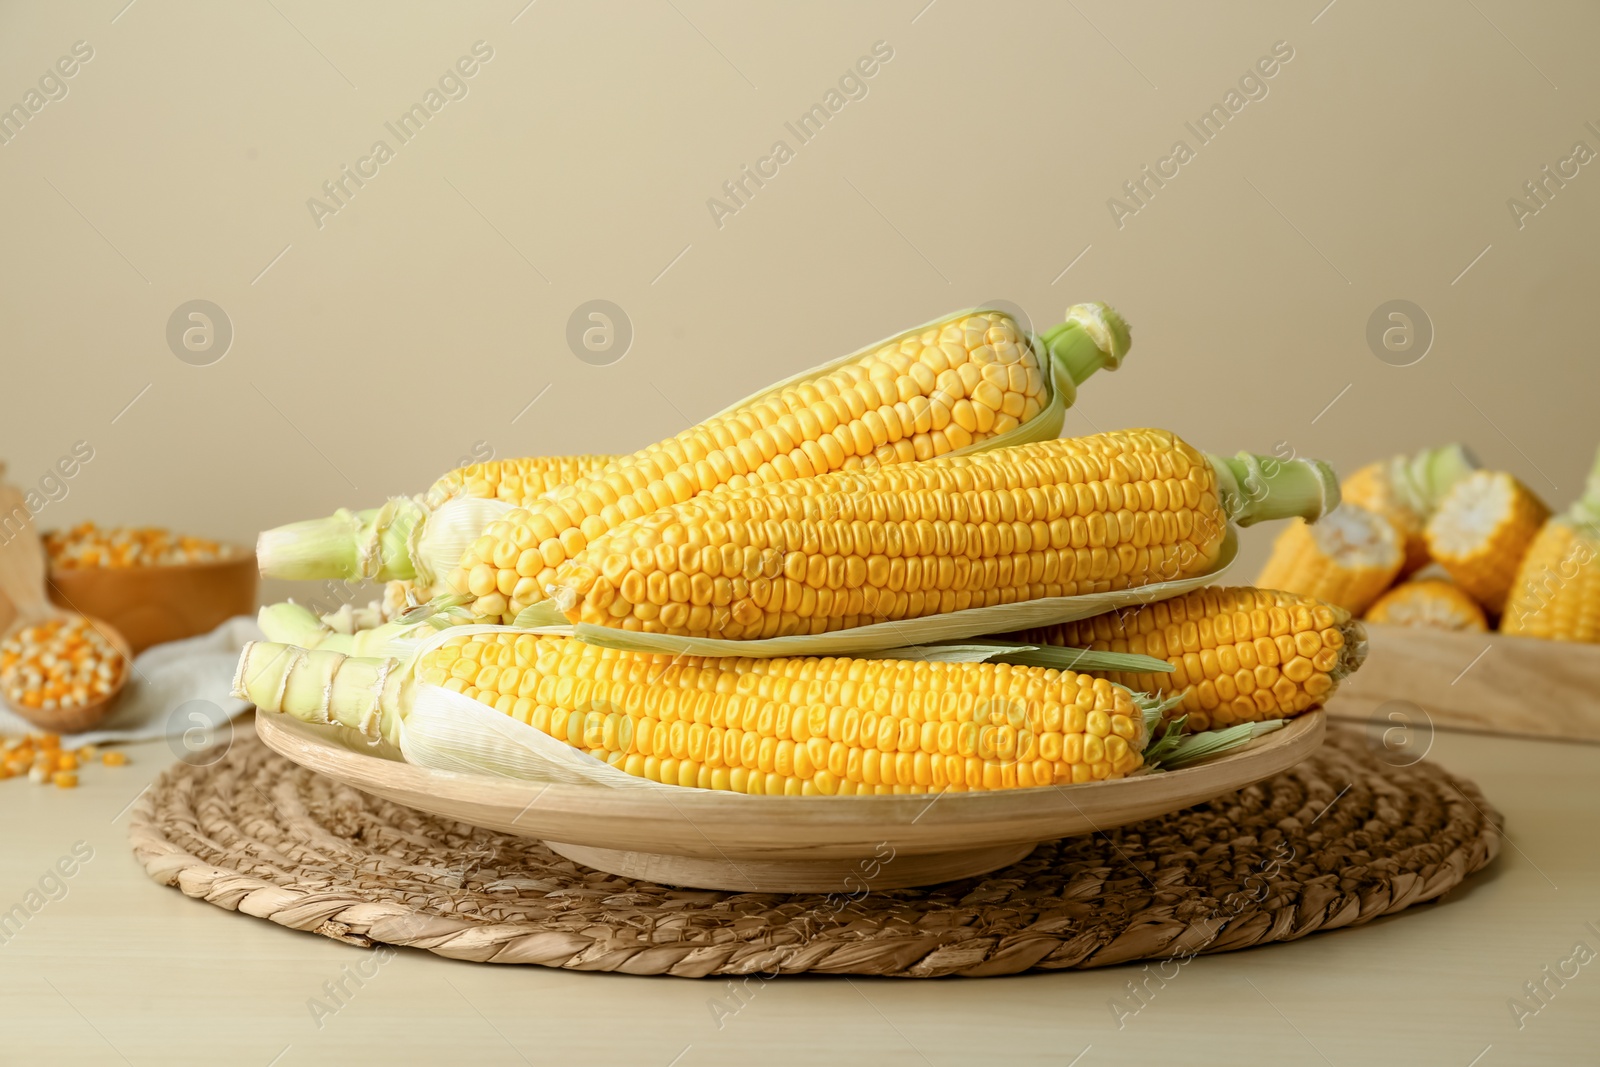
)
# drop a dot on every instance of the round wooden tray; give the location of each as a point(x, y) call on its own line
point(717, 840)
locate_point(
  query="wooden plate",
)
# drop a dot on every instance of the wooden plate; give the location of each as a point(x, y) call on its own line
point(714, 840)
point(150, 605)
point(1493, 682)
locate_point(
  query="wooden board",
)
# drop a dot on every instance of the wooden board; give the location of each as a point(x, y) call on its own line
point(718, 840)
point(1495, 682)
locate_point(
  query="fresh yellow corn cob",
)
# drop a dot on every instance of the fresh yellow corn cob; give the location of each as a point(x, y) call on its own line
point(1238, 655)
point(1051, 519)
point(957, 383)
point(1556, 594)
point(1347, 559)
point(1429, 603)
point(799, 726)
point(412, 538)
point(1405, 490)
point(1481, 531)
point(519, 481)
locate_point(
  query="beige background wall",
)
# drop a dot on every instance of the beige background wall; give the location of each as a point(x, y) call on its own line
point(372, 352)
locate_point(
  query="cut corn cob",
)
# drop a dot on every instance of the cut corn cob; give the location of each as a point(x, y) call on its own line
point(970, 380)
point(1238, 655)
point(1406, 489)
point(1052, 519)
point(1430, 603)
point(1556, 594)
point(1481, 531)
point(520, 482)
point(761, 726)
point(416, 537)
point(1347, 559)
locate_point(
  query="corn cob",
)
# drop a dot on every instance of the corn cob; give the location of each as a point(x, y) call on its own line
point(962, 382)
point(1405, 490)
point(1052, 519)
point(1481, 531)
point(1238, 655)
point(1556, 594)
point(1347, 559)
point(416, 537)
point(801, 726)
point(518, 481)
point(1429, 603)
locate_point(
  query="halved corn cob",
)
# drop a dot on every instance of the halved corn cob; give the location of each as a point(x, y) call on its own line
point(1052, 519)
point(1406, 489)
point(1556, 593)
point(1430, 603)
point(962, 382)
point(762, 726)
point(1238, 654)
point(1481, 530)
point(1346, 559)
point(417, 537)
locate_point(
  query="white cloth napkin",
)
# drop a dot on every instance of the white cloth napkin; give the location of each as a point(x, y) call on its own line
point(172, 690)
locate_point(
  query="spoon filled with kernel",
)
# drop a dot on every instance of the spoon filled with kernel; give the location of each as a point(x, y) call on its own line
point(59, 670)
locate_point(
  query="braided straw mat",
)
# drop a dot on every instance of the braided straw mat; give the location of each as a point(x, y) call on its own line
point(1338, 840)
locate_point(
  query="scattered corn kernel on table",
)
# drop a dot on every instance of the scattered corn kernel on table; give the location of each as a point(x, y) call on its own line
point(110, 968)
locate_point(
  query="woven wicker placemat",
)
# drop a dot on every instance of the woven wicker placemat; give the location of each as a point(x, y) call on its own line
point(1338, 840)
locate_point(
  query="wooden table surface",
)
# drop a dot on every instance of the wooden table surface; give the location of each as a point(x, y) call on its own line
point(121, 970)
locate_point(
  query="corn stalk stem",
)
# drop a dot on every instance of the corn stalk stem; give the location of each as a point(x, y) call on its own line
point(1258, 488)
point(1093, 337)
point(375, 544)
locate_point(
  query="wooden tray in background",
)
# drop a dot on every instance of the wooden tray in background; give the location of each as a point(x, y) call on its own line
point(1492, 682)
point(719, 840)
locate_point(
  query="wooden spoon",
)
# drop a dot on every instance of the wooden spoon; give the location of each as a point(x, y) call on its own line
point(22, 581)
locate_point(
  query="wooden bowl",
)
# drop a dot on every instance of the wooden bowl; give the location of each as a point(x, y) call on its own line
point(1494, 682)
point(719, 840)
point(155, 604)
point(88, 716)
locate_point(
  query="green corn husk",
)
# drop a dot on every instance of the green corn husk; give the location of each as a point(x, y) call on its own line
point(291, 624)
point(407, 539)
point(1421, 480)
point(1175, 749)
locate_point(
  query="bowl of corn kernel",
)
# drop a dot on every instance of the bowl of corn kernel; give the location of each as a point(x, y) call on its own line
point(151, 584)
point(62, 673)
